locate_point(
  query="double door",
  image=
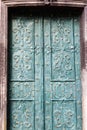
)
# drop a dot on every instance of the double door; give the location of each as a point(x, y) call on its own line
point(44, 88)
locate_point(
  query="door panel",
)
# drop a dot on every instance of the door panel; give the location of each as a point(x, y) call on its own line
point(22, 49)
point(44, 87)
point(62, 49)
point(62, 73)
point(26, 74)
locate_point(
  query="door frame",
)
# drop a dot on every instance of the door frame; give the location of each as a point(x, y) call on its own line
point(4, 5)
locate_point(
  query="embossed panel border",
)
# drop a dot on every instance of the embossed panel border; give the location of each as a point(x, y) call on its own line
point(4, 5)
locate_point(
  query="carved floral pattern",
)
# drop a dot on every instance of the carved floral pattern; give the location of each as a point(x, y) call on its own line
point(63, 91)
point(22, 49)
point(21, 115)
point(21, 90)
point(26, 94)
point(62, 50)
point(64, 115)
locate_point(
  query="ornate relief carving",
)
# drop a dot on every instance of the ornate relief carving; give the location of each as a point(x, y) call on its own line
point(21, 90)
point(21, 115)
point(63, 91)
point(60, 92)
point(62, 50)
point(64, 115)
point(22, 49)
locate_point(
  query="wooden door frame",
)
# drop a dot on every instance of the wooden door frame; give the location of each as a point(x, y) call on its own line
point(4, 5)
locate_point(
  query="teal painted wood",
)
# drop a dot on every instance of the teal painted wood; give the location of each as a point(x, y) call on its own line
point(44, 84)
point(78, 75)
point(62, 72)
point(47, 75)
point(22, 76)
point(39, 118)
point(22, 49)
point(62, 49)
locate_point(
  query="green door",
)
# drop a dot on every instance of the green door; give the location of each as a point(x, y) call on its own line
point(44, 87)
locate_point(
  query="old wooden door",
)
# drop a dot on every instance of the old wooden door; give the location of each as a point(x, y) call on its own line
point(44, 88)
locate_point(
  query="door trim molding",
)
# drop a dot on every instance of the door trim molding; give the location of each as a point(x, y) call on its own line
point(4, 5)
point(27, 3)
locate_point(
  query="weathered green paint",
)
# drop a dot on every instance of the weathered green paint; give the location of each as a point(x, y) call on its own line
point(44, 83)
